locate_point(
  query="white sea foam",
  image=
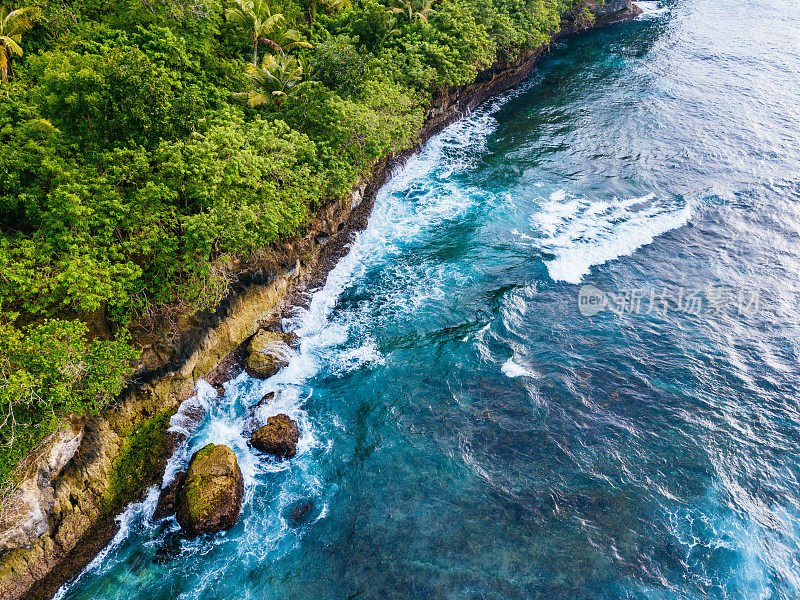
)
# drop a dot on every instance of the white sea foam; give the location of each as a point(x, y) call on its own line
point(711, 529)
point(513, 369)
point(418, 197)
point(650, 9)
point(580, 232)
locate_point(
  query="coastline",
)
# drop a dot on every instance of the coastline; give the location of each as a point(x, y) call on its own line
point(81, 492)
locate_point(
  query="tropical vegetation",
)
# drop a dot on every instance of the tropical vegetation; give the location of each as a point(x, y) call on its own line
point(13, 23)
point(151, 147)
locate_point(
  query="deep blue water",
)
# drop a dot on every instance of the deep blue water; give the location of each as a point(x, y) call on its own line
point(466, 431)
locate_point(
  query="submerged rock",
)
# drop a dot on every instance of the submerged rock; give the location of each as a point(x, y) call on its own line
point(267, 353)
point(265, 399)
point(170, 547)
point(278, 437)
point(211, 496)
point(301, 512)
point(168, 498)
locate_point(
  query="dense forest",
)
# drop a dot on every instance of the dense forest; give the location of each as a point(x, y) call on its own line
point(148, 145)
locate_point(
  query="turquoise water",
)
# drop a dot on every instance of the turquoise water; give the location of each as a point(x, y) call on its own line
point(467, 432)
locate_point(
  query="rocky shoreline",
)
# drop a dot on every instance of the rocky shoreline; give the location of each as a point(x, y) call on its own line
point(63, 512)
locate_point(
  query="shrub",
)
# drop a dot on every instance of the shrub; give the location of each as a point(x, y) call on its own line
point(340, 66)
point(48, 370)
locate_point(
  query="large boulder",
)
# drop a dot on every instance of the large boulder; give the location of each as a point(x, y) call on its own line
point(211, 496)
point(267, 353)
point(278, 437)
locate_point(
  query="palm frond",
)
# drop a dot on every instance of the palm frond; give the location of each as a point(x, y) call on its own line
point(236, 16)
point(272, 21)
point(11, 45)
point(256, 98)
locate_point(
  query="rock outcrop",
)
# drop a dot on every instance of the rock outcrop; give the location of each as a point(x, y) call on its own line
point(599, 13)
point(168, 498)
point(211, 496)
point(55, 522)
point(610, 7)
point(24, 516)
point(267, 353)
point(278, 437)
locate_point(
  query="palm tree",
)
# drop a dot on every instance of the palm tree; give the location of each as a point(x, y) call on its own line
point(276, 79)
point(286, 39)
point(12, 25)
point(257, 18)
point(413, 9)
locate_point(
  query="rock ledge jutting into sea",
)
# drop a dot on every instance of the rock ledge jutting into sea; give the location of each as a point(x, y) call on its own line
point(267, 353)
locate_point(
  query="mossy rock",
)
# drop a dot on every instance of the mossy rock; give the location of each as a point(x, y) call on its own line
point(211, 497)
point(278, 437)
point(267, 353)
point(140, 462)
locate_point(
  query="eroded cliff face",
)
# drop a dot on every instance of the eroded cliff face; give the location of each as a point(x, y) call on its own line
point(86, 475)
point(63, 512)
point(25, 517)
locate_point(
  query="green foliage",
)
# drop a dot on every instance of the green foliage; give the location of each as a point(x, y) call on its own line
point(340, 66)
point(47, 370)
point(147, 151)
point(275, 80)
point(371, 24)
point(582, 16)
point(246, 184)
point(412, 9)
point(264, 25)
point(350, 134)
point(114, 99)
point(313, 7)
point(449, 50)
